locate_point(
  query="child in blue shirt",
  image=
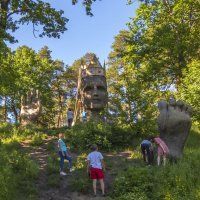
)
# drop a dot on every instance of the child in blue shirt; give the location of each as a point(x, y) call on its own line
point(63, 153)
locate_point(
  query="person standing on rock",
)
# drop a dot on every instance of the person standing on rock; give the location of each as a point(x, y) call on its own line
point(96, 168)
point(64, 154)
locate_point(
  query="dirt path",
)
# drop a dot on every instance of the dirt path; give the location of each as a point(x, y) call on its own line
point(64, 191)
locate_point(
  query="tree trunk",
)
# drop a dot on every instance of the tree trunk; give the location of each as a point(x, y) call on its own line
point(14, 110)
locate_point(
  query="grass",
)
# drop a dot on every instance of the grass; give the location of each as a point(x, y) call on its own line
point(178, 181)
point(18, 171)
point(132, 178)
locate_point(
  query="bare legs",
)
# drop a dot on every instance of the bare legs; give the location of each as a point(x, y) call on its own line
point(159, 158)
point(95, 186)
point(102, 186)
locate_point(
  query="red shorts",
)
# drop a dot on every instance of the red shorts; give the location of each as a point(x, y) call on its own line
point(96, 173)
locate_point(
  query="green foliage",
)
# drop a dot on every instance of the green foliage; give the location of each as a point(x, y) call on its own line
point(51, 146)
point(81, 161)
point(39, 13)
point(83, 135)
point(81, 183)
point(106, 136)
point(6, 130)
point(152, 61)
point(53, 164)
point(131, 196)
point(37, 139)
point(17, 171)
point(173, 182)
point(122, 136)
point(189, 90)
point(134, 180)
point(6, 184)
point(53, 178)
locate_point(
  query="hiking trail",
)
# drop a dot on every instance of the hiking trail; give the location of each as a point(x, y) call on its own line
point(65, 192)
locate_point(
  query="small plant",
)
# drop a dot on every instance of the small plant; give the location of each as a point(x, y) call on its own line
point(81, 161)
point(37, 139)
point(51, 146)
point(82, 185)
point(53, 164)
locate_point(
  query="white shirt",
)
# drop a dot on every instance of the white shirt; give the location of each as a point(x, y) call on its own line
point(95, 158)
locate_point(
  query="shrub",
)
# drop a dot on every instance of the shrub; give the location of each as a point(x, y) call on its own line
point(17, 170)
point(6, 183)
point(37, 139)
point(53, 164)
point(81, 161)
point(83, 135)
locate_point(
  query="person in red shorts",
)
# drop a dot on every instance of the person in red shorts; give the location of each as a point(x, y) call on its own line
point(96, 168)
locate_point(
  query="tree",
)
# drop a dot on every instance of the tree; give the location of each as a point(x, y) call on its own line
point(87, 4)
point(163, 38)
point(8, 87)
point(130, 98)
point(167, 37)
point(39, 13)
point(189, 89)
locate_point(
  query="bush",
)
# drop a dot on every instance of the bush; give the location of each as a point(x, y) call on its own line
point(83, 135)
point(6, 183)
point(122, 136)
point(53, 164)
point(37, 139)
point(17, 171)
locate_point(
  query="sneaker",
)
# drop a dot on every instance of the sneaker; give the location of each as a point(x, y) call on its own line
point(71, 170)
point(63, 173)
point(103, 195)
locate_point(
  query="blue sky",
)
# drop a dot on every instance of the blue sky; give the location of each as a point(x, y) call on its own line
point(85, 34)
